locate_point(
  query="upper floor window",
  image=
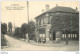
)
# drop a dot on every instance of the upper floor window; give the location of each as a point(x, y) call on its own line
point(37, 22)
point(49, 19)
point(40, 21)
point(47, 14)
point(44, 20)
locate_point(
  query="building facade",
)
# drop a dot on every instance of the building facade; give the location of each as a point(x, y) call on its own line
point(43, 22)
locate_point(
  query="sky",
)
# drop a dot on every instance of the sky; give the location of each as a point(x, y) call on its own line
point(35, 9)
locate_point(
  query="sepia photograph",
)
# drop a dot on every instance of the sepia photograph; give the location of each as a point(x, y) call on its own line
point(39, 25)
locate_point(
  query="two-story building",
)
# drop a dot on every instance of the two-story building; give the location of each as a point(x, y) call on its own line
point(43, 21)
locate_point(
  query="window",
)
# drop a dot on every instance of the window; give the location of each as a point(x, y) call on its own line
point(48, 20)
point(40, 21)
point(37, 22)
point(47, 14)
point(44, 20)
point(42, 31)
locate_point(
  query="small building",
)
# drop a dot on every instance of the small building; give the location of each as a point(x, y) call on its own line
point(43, 21)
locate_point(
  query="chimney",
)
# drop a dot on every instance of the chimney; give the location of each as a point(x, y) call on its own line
point(42, 10)
point(47, 7)
point(76, 9)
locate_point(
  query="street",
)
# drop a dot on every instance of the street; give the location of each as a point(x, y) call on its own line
point(17, 45)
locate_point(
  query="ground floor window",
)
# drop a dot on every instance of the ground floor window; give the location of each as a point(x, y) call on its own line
point(72, 35)
point(42, 35)
point(42, 31)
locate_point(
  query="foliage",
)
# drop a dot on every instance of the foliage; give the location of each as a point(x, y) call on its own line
point(31, 27)
point(3, 28)
point(24, 28)
point(3, 40)
point(10, 27)
point(31, 30)
point(18, 33)
point(69, 22)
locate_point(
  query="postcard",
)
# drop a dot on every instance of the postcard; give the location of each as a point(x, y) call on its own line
point(40, 25)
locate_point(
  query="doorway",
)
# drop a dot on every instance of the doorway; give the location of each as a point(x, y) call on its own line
point(54, 36)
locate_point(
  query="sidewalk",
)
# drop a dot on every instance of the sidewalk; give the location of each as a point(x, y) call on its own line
point(55, 44)
point(52, 44)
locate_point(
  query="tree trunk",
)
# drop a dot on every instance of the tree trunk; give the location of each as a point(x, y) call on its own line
point(28, 36)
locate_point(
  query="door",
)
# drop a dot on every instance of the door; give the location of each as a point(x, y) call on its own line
point(54, 37)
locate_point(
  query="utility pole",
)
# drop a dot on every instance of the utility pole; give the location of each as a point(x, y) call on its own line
point(28, 10)
point(28, 16)
point(14, 24)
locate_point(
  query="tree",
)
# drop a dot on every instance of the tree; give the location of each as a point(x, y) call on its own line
point(3, 28)
point(18, 33)
point(31, 30)
point(24, 29)
point(9, 27)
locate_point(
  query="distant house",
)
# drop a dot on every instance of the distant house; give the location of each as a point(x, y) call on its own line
point(43, 21)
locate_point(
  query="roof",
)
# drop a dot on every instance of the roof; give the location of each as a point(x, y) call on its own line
point(60, 9)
